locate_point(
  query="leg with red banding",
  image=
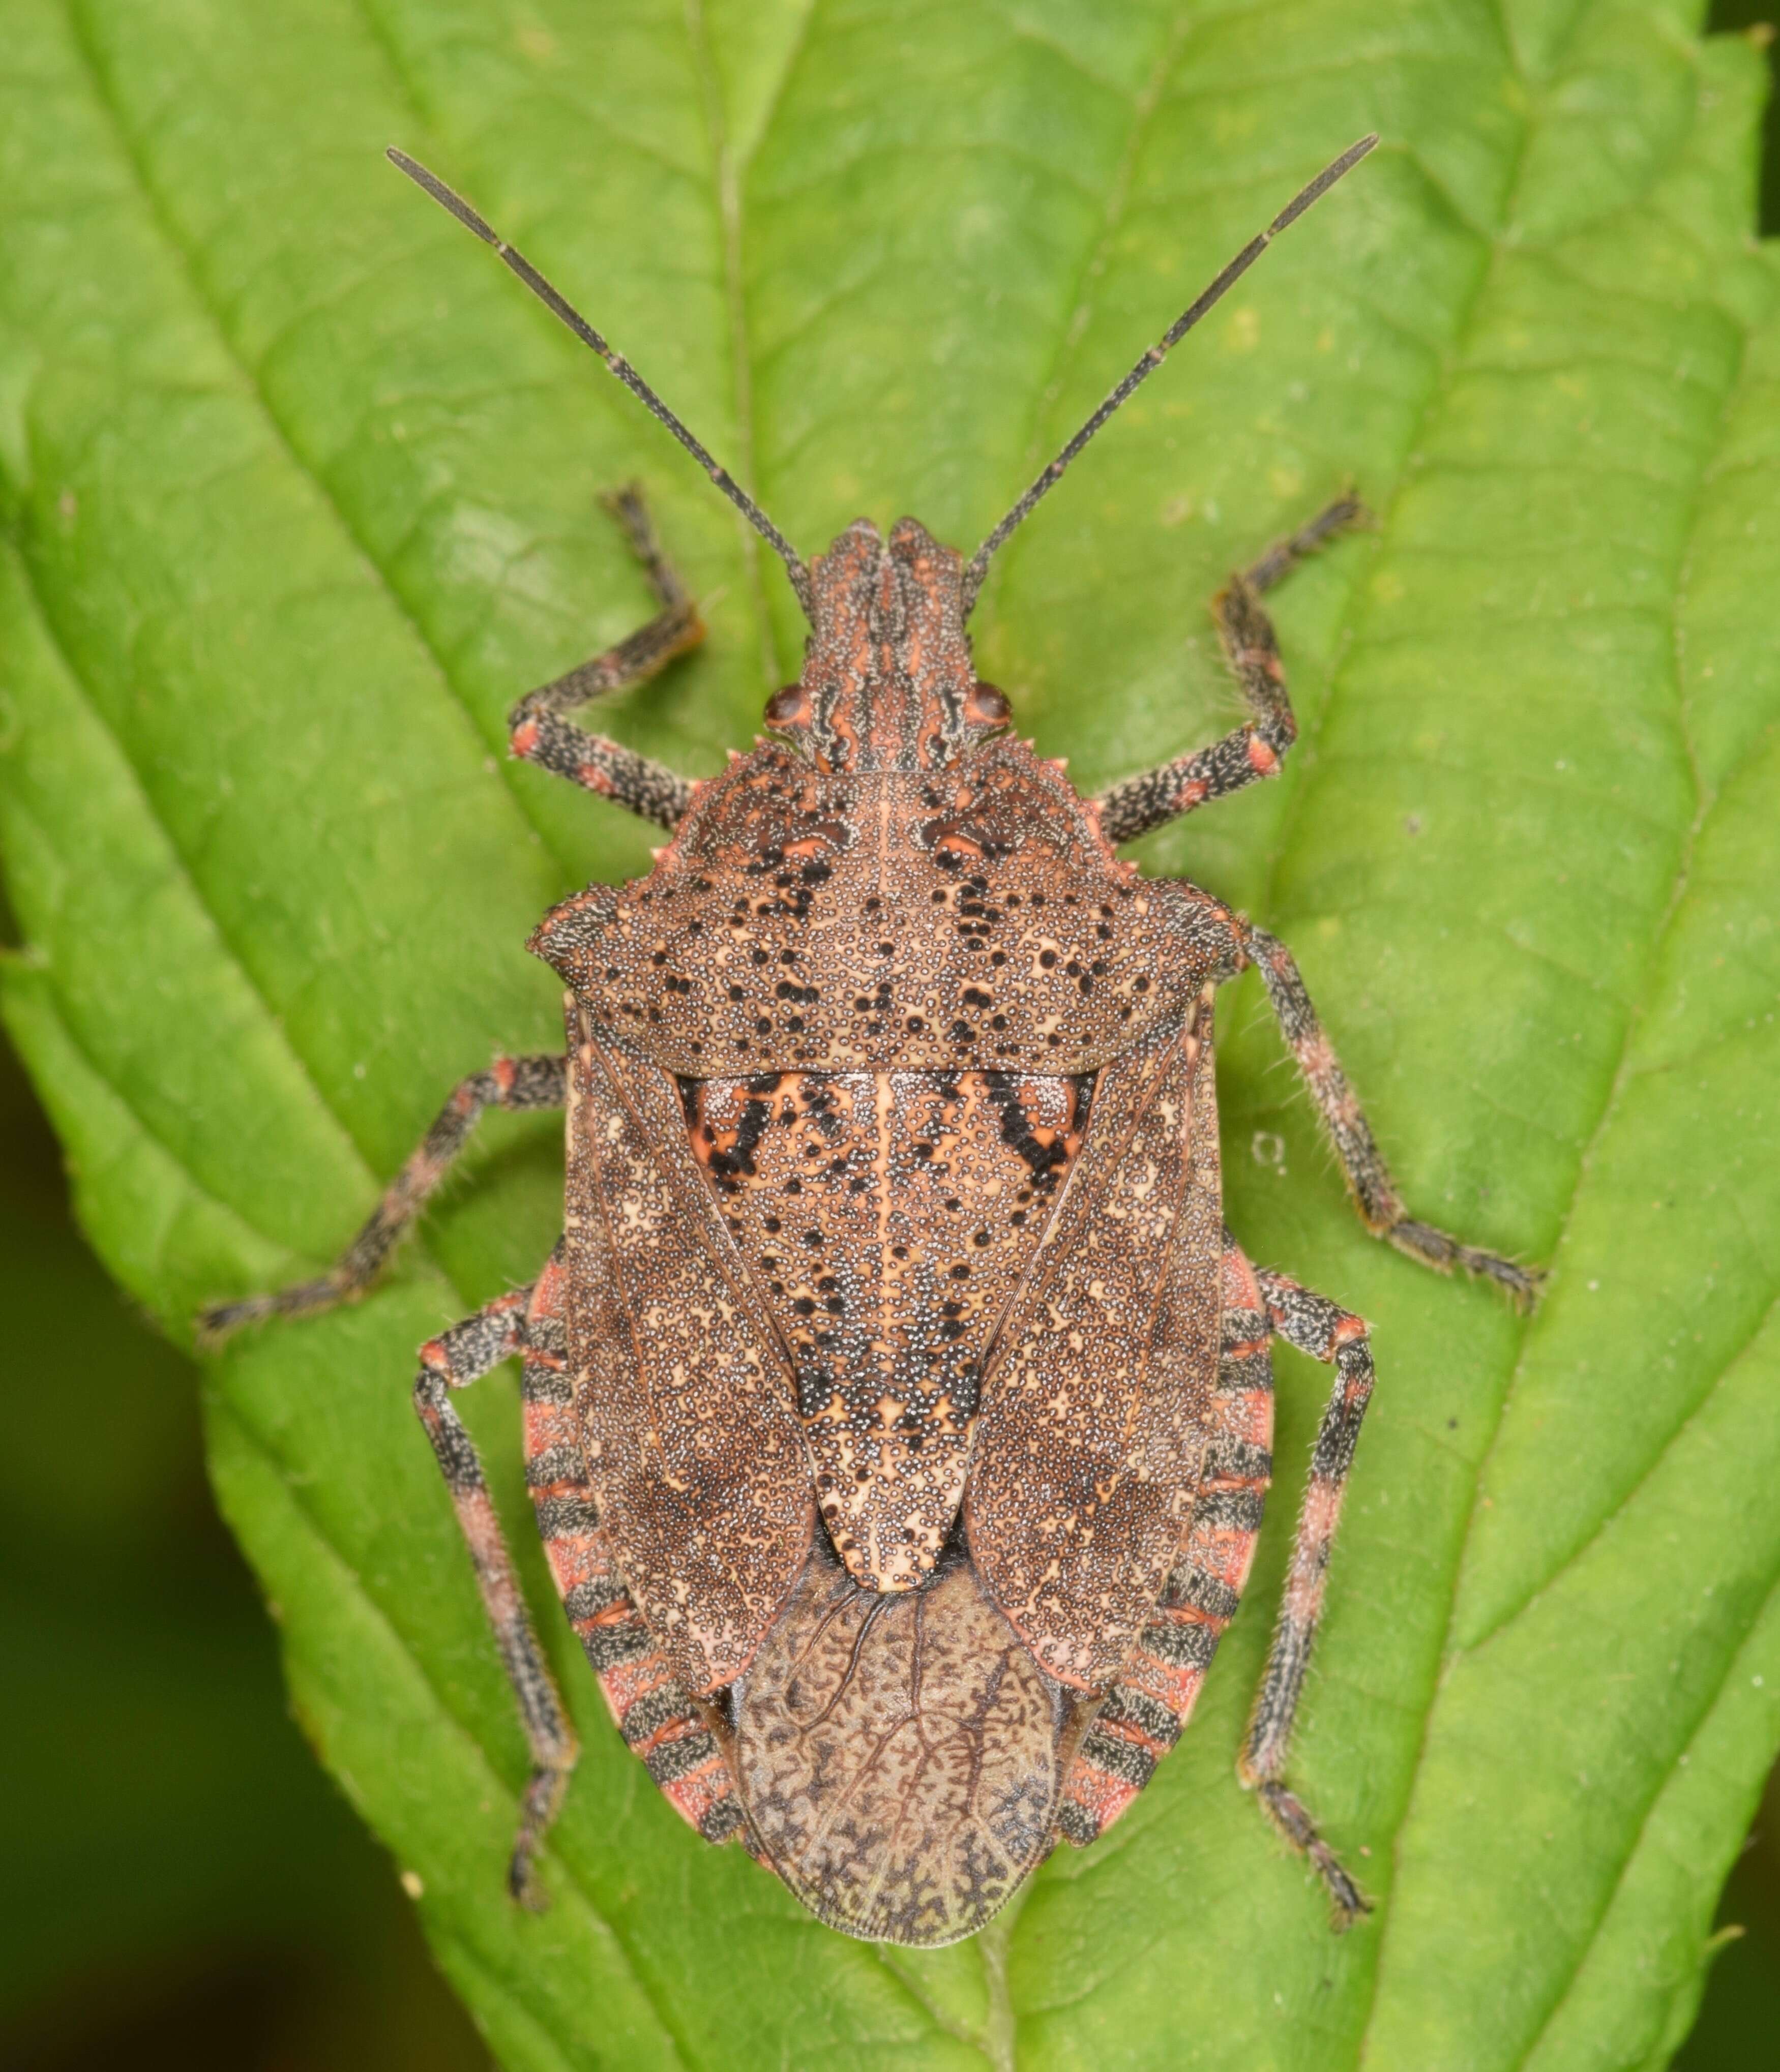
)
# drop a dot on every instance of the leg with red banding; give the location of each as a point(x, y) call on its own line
point(1142, 1716)
point(667, 1729)
point(1224, 943)
point(1317, 1326)
point(1368, 1177)
point(461, 1355)
point(540, 733)
point(519, 1084)
point(1256, 748)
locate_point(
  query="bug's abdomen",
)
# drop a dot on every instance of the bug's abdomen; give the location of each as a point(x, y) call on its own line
point(887, 1218)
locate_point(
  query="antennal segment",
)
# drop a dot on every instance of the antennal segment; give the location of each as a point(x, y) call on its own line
point(978, 567)
point(617, 364)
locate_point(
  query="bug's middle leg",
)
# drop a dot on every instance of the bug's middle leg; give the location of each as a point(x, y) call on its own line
point(539, 732)
point(1256, 748)
point(1313, 1324)
point(1368, 1177)
point(459, 1356)
point(1224, 943)
point(520, 1084)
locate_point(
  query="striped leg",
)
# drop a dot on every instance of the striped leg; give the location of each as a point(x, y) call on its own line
point(1256, 748)
point(540, 734)
point(1314, 1325)
point(660, 1722)
point(1368, 1177)
point(465, 1353)
point(509, 1082)
point(1142, 1716)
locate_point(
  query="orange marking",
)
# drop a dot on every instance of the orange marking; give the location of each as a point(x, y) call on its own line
point(581, 1560)
point(476, 1512)
point(623, 1687)
point(693, 1795)
point(548, 1425)
point(1098, 1792)
point(1128, 1731)
point(1241, 1290)
point(1249, 1415)
point(675, 1728)
point(1174, 1687)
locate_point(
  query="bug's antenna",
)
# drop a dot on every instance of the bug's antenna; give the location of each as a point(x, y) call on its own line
point(978, 567)
point(617, 364)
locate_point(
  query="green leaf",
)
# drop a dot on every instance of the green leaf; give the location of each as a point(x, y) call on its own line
point(299, 493)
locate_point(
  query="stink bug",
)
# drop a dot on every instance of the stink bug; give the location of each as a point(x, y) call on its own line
point(898, 1406)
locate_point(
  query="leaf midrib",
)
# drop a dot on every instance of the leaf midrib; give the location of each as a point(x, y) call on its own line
point(652, 1991)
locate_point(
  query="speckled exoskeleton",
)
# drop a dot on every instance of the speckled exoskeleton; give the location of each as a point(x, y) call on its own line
point(898, 1406)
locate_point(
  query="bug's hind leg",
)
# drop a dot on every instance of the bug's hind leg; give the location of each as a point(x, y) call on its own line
point(1256, 748)
point(1142, 1716)
point(540, 733)
point(461, 1355)
point(664, 1727)
point(515, 1084)
point(1317, 1326)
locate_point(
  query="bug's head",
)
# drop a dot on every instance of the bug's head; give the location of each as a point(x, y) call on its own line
point(888, 683)
point(887, 679)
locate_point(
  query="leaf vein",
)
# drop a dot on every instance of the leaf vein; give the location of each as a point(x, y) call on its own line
point(293, 1486)
point(172, 238)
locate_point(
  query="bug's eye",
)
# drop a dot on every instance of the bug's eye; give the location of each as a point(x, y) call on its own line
point(789, 707)
point(987, 706)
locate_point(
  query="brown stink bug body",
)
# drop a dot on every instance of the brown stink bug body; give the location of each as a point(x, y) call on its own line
point(897, 1408)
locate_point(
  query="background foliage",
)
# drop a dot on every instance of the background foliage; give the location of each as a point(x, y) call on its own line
point(299, 491)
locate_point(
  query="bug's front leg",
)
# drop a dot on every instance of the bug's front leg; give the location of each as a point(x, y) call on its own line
point(517, 1083)
point(1317, 1326)
point(540, 733)
point(1256, 748)
point(460, 1356)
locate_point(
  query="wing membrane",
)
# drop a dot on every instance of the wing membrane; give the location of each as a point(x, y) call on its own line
point(900, 1756)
